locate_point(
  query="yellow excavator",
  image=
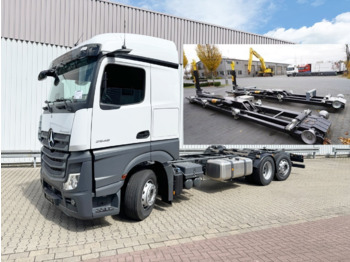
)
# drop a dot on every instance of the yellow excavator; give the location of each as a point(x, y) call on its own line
point(264, 71)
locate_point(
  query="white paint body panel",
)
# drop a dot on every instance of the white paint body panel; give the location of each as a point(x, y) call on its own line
point(77, 124)
point(165, 123)
point(120, 126)
point(165, 90)
point(60, 123)
point(81, 130)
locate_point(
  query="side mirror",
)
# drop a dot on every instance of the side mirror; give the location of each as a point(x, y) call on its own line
point(42, 75)
point(57, 80)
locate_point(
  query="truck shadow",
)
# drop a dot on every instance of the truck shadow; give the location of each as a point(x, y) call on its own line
point(212, 186)
point(159, 206)
point(33, 192)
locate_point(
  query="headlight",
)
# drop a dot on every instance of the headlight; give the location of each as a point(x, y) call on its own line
point(72, 181)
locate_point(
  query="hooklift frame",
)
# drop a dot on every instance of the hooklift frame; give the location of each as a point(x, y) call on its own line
point(280, 95)
point(309, 128)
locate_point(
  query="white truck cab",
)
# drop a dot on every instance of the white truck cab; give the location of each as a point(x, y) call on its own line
point(109, 110)
point(292, 70)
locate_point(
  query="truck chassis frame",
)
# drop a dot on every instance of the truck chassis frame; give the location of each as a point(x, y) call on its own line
point(309, 128)
point(280, 95)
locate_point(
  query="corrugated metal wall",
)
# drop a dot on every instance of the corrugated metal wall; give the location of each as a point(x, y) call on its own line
point(63, 22)
point(22, 95)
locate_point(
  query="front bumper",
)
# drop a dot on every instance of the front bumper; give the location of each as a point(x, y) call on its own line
point(80, 202)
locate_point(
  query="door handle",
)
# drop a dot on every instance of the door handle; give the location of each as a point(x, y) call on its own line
point(142, 134)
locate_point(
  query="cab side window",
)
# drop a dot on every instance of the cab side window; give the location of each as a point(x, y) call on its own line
point(122, 85)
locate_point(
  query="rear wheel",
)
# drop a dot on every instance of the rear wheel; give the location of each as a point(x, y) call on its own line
point(283, 167)
point(265, 171)
point(309, 136)
point(140, 195)
point(336, 104)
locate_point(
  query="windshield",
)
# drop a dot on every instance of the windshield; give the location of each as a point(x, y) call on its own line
point(75, 80)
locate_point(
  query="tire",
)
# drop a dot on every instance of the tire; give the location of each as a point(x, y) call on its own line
point(283, 167)
point(309, 136)
point(264, 173)
point(140, 195)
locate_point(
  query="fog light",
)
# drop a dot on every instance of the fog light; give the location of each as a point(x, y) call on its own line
point(72, 181)
point(72, 202)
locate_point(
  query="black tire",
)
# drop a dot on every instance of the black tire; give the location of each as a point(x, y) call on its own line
point(264, 173)
point(283, 167)
point(138, 204)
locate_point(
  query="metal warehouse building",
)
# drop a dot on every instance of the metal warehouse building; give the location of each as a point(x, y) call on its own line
point(34, 32)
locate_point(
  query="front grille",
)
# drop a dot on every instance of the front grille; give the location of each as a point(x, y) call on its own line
point(54, 159)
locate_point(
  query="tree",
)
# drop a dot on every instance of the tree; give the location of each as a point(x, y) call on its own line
point(210, 57)
point(192, 69)
point(185, 62)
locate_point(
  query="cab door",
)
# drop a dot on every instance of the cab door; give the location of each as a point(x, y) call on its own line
point(122, 109)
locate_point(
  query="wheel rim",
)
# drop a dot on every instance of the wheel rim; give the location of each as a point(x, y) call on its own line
point(336, 104)
point(149, 194)
point(324, 114)
point(267, 170)
point(283, 167)
point(309, 137)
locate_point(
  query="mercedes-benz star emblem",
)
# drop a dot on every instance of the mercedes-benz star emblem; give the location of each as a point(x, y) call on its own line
point(50, 139)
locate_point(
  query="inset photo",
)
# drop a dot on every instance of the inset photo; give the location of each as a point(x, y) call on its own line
point(266, 94)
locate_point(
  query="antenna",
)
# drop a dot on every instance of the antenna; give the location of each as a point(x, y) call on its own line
point(79, 39)
point(124, 46)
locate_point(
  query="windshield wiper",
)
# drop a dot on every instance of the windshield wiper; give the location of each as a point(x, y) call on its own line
point(69, 108)
point(48, 106)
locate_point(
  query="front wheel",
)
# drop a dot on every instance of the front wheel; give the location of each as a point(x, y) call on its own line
point(140, 195)
point(264, 173)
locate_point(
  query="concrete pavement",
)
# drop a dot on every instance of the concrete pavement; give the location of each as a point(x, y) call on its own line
point(322, 240)
point(33, 230)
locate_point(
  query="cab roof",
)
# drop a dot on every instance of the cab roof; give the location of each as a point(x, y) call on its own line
point(141, 45)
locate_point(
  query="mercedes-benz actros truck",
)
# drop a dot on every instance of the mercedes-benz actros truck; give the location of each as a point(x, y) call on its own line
point(111, 126)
